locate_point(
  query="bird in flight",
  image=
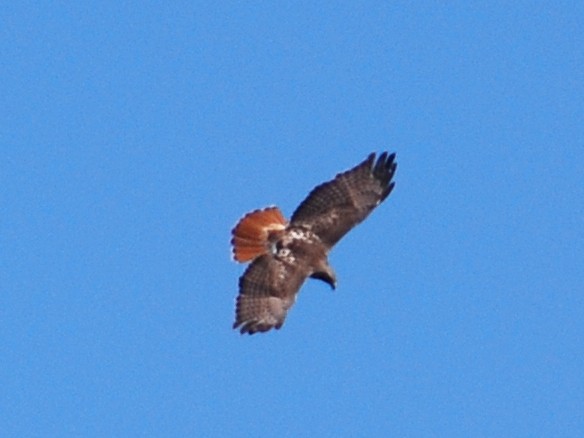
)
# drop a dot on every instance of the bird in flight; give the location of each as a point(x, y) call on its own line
point(283, 254)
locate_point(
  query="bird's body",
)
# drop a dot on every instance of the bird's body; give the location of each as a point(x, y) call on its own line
point(284, 254)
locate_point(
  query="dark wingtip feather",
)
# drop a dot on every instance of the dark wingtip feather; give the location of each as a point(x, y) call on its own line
point(384, 171)
point(382, 160)
point(384, 163)
point(370, 160)
point(387, 191)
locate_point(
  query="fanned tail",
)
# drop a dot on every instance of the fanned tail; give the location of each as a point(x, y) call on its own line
point(254, 232)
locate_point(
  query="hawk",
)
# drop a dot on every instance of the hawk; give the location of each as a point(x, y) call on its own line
point(284, 254)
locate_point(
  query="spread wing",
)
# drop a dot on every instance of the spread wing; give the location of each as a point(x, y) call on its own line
point(267, 290)
point(333, 208)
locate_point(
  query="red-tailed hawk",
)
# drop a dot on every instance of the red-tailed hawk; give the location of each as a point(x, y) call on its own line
point(284, 254)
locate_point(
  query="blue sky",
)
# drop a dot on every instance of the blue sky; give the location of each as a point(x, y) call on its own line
point(134, 135)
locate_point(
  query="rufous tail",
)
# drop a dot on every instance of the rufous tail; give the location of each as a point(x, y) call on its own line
point(254, 233)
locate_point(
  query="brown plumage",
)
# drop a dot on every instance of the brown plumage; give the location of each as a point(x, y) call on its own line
point(283, 255)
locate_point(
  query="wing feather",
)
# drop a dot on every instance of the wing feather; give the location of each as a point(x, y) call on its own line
point(334, 207)
point(267, 290)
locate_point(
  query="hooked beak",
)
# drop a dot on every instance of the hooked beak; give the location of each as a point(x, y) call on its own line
point(327, 277)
